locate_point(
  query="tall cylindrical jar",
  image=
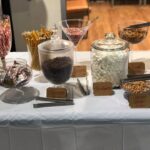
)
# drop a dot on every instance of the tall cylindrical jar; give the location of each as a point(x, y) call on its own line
point(109, 60)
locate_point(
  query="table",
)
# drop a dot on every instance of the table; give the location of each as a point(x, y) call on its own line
point(93, 123)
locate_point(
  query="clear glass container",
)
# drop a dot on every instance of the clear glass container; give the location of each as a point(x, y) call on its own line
point(56, 59)
point(16, 74)
point(14, 77)
point(109, 60)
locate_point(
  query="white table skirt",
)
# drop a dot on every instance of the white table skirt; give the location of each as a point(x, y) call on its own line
point(92, 123)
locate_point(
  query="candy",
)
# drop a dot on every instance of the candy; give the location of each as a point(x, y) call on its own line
point(5, 37)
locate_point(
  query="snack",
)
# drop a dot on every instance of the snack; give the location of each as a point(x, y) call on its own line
point(33, 38)
point(137, 87)
point(133, 35)
point(109, 66)
point(17, 73)
point(57, 70)
point(5, 37)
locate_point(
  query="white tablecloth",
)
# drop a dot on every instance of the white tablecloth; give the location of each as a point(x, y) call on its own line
point(92, 123)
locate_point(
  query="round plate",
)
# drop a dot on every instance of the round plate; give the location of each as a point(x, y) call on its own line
point(19, 95)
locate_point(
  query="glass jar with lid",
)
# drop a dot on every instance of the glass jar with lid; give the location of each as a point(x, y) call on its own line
point(109, 60)
point(56, 59)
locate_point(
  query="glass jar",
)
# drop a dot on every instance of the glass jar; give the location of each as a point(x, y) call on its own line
point(109, 60)
point(56, 59)
point(16, 74)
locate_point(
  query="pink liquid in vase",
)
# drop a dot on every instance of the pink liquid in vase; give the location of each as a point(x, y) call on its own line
point(75, 34)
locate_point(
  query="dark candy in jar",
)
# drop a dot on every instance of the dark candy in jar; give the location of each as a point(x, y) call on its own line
point(57, 70)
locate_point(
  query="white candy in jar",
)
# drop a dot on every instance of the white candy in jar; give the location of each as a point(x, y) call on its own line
point(109, 61)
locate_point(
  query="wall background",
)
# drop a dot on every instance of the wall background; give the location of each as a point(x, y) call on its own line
point(32, 14)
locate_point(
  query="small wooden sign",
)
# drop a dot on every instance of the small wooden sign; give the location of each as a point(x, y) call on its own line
point(102, 88)
point(136, 68)
point(139, 100)
point(79, 71)
point(56, 92)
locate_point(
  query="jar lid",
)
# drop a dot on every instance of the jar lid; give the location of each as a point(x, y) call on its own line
point(55, 45)
point(110, 42)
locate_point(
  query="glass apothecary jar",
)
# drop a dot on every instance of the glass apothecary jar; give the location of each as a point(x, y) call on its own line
point(56, 60)
point(109, 60)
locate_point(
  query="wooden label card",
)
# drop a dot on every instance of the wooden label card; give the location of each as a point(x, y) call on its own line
point(139, 100)
point(136, 68)
point(79, 71)
point(56, 92)
point(102, 88)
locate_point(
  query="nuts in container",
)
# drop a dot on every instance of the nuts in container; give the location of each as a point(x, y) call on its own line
point(133, 35)
point(137, 87)
point(137, 93)
point(33, 38)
